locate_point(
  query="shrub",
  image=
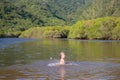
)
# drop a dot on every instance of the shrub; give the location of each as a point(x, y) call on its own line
point(46, 32)
point(116, 30)
point(35, 32)
point(107, 25)
point(101, 28)
point(77, 30)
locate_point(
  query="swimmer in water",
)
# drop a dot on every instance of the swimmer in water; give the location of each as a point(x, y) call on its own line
point(62, 57)
point(61, 61)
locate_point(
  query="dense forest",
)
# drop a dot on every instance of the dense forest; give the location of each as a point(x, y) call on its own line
point(17, 16)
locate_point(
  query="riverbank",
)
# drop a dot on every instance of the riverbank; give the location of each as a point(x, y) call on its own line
point(107, 28)
point(14, 34)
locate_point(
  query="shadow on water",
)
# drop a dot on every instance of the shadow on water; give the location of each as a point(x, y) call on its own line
point(96, 60)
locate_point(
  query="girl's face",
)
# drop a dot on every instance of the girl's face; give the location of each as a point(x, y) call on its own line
point(62, 55)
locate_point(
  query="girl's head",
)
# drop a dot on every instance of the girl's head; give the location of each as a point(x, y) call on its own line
point(62, 55)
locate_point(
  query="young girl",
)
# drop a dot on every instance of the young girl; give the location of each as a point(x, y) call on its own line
point(62, 57)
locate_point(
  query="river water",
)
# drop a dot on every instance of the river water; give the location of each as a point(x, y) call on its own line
point(28, 59)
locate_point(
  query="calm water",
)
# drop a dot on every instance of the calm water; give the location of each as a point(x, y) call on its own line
point(28, 59)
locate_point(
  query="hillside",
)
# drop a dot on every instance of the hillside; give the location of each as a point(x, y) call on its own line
point(20, 15)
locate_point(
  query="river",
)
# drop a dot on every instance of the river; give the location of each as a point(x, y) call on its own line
point(28, 59)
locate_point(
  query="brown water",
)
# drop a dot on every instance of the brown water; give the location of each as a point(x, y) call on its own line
point(28, 60)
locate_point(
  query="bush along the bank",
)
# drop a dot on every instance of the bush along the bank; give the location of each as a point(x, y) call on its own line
point(77, 31)
point(10, 34)
point(46, 32)
point(107, 28)
point(116, 30)
point(51, 32)
point(36, 32)
point(55, 32)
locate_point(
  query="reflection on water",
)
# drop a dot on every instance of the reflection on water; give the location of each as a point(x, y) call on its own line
point(39, 70)
point(62, 72)
point(96, 60)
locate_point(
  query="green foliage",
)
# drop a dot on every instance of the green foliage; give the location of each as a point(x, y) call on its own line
point(108, 24)
point(78, 30)
point(36, 32)
point(64, 31)
point(94, 18)
point(52, 32)
point(116, 30)
point(21, 15)
point(92, 29)
point(101, 28)
point(46, 32)
point(101, 8)
point(10, 34)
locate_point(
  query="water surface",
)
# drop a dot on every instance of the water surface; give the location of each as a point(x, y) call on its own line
point(29, 59)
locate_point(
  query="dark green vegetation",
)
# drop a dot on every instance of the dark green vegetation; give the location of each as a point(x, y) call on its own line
point(20, 15)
